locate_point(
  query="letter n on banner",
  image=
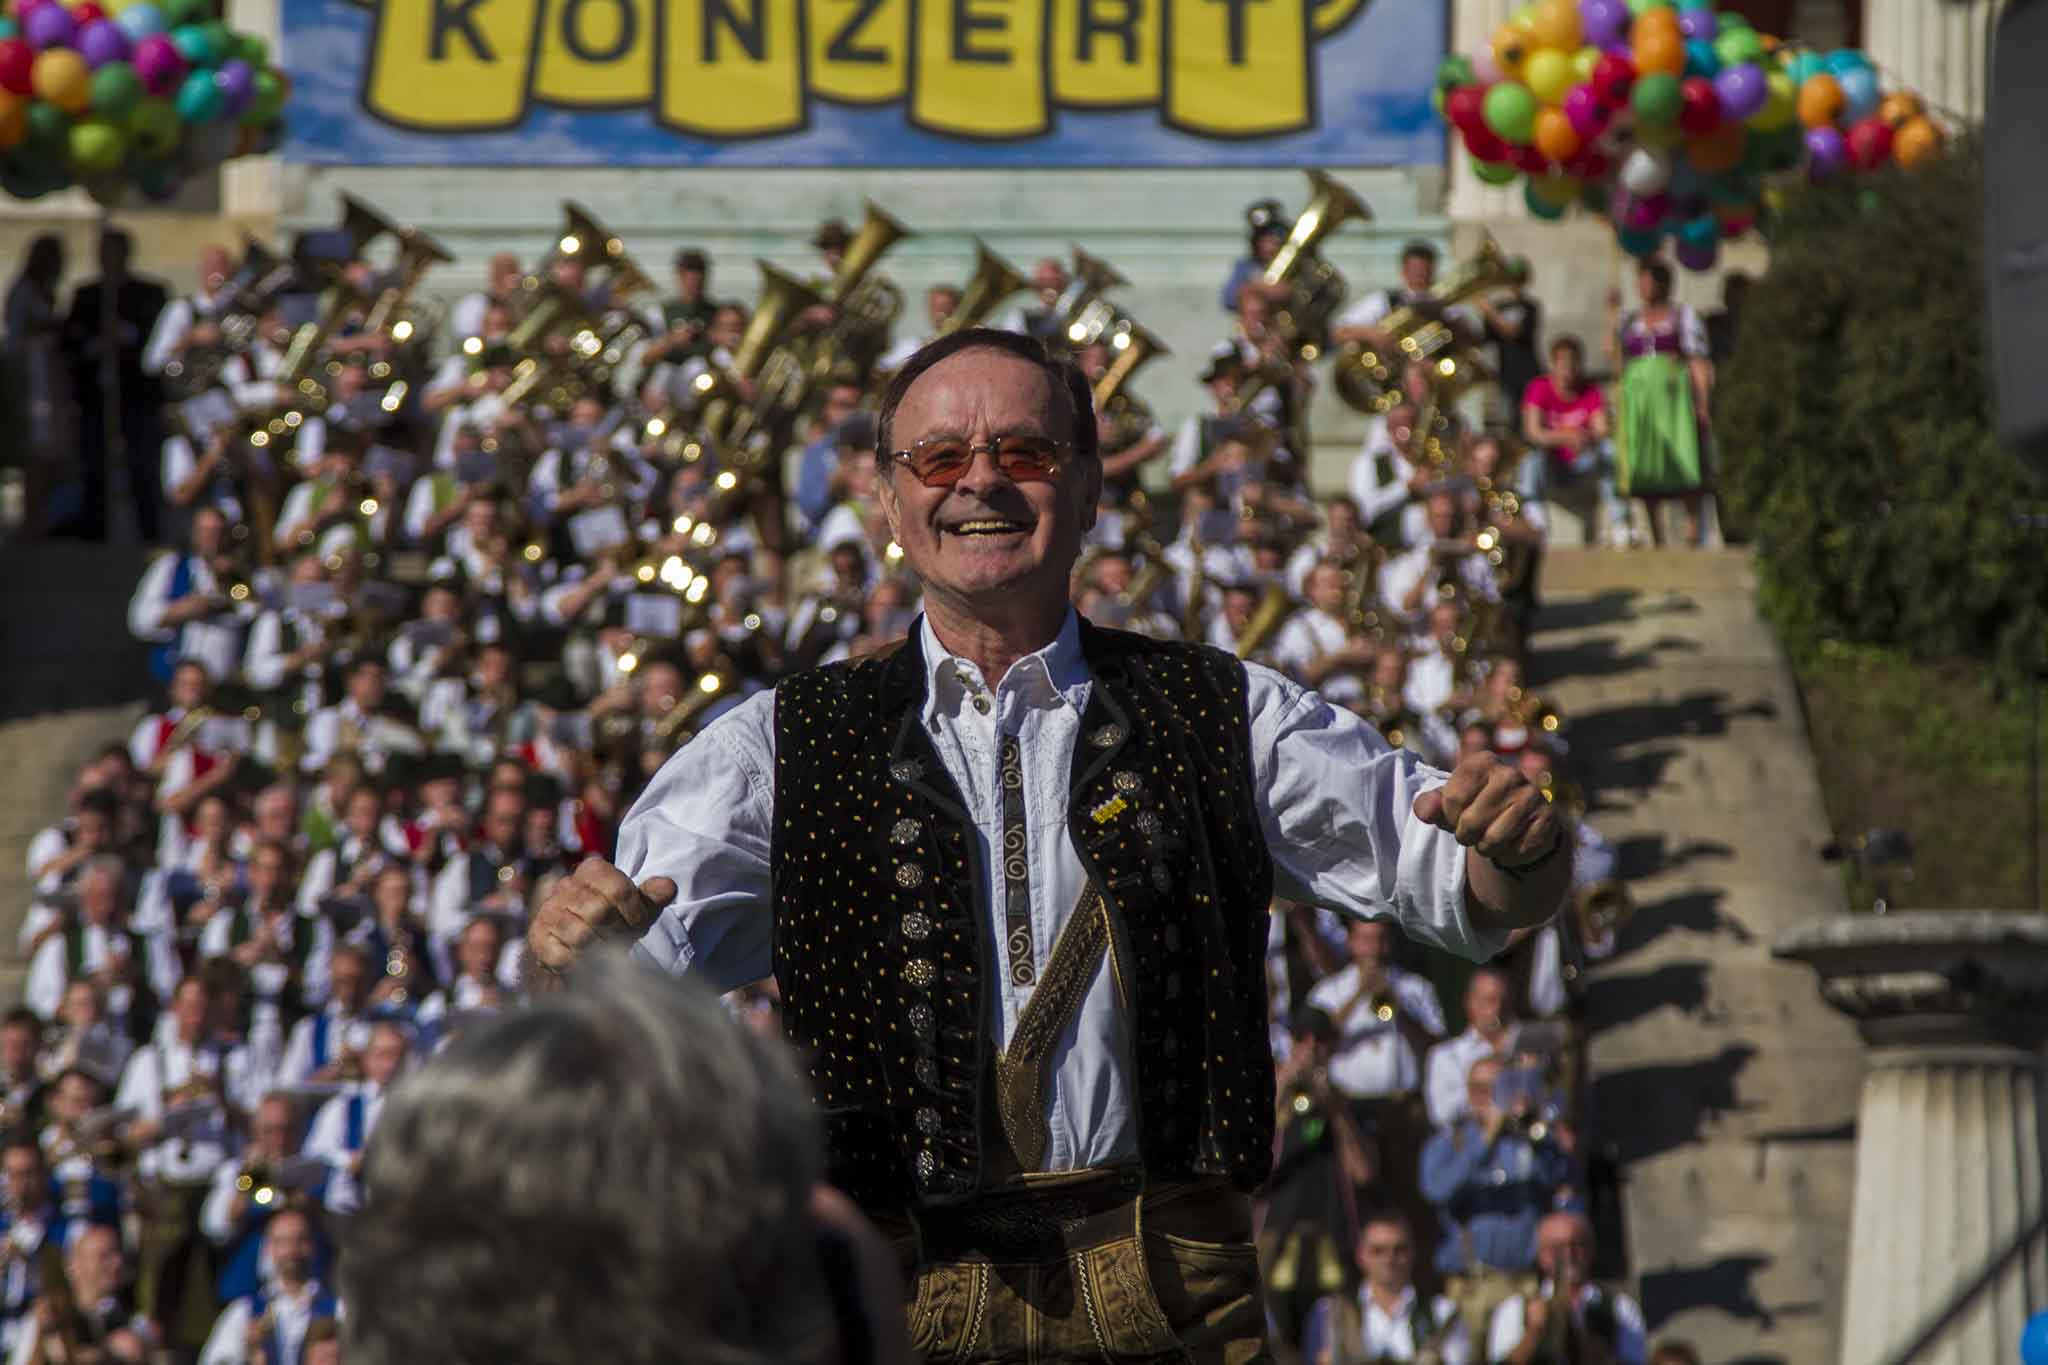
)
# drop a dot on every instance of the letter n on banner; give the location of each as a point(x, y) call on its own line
point(1238, 68)
point(451, 65)
point(1105, 53)
point(731, 68)
point(980, 68)
point(859, 49)
point(596, 54)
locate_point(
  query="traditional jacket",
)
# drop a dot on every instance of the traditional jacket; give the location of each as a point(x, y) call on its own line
point(883, 949)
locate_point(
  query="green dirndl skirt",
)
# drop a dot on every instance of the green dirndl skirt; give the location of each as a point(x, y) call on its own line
point(1657, 449)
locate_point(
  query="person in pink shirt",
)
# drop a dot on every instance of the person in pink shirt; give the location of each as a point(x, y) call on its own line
point(1567, 418)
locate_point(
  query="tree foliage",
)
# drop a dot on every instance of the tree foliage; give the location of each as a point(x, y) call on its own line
point(1854, 427)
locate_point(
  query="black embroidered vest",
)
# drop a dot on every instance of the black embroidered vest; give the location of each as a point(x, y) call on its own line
point(884, 952)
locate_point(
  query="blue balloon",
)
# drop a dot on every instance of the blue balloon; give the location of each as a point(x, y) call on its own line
point(1805, 66)
point(1859, 92)
point(2034, 1340)
point(1639, 242)
point(1701, 59)
point(1703, 231)
point(1846, 59)
point(140, 21)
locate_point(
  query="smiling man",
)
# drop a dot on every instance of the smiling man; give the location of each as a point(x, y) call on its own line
point(1013, 879)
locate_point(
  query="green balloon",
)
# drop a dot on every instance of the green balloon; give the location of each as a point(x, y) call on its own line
point(1657, 100)
point(1642, 6)
point(176, 12)
point(1539, 207)
point(153, 125)
point(265, 99)
point(96, 146)
point(49, 130)
point(115, 89)
point(1494, 172)
point(8, 28)
point(254, 50)
point(222, 38)
point(1510, 111)
point(1738, 45)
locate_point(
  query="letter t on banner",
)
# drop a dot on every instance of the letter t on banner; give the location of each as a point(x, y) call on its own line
point(451, 65)
point(980, 68)
point(1238, 68)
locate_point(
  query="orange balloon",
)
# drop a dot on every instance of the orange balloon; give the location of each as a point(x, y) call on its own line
point(1662, 22)
point(1555, 137)
point(13, 119)
point(1720, 150)
point(1900, 108)
point(1660, 53)
point(1820, 101)
point(1918, 143)
point(1511, 48)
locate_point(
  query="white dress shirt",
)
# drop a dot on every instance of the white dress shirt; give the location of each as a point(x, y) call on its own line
point(1504, 1334)
point(1450, 1062)
point(214, 640)
point(1391, 1336)
point(1335, 802)
point(50, 970)
point(1371, 1058)
point(1305, 639)
point(228, 1343)
point(328, 1140)
point(167, 1064)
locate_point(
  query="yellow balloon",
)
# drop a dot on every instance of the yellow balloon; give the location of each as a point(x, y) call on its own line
point(1781, 106)
point(1556, 24)
point(1583, 62)
point(1511, 48)
point(60, 76)
point(1548, 74)
point(1524, 18)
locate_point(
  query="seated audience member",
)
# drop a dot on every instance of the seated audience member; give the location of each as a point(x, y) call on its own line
point(1387, 1320)
point(699, 1231)
point(1568, 1318)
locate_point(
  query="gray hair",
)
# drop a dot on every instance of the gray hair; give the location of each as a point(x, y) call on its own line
point(620, 1172)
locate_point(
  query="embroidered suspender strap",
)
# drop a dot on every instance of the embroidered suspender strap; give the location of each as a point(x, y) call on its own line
point(1016, 872)
point(1021, 1072)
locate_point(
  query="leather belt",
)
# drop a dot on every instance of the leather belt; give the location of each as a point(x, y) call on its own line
point(1048, 1220)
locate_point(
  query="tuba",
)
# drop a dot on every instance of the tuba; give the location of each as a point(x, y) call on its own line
point(679, 725)
point(868, 306)
point(1317, 290)
point(1371, 383)
point(723, 417)
point(417, 254)
point(1132, 348)
point(1272, 612)
point(994, 280)
point(1084, 316)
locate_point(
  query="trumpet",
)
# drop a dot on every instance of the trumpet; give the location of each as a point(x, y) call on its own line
point(259, 1183)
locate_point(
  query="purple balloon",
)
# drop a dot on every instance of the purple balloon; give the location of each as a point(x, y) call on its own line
point(1698, 23)
point(1698, 257)
point(1604, 22)
point(237, 82)
point(1826, 153)
point(1642, 215)
point(49, 26)
point(102, 41)
point(1589, 116)
point(1743, 90)
point(159, 64)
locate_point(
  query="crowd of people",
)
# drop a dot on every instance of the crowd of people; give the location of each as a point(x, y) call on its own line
point(449, 587)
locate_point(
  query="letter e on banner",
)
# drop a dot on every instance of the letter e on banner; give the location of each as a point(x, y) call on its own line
point(1105, 53)
point(1238, 68)
point(980, 68)
point(596, 54)
point(451, 65)
point(731, 68)
point(859, 49)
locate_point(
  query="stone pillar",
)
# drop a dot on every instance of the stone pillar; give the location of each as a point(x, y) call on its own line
point(1949, 1154)
point(1937, 50)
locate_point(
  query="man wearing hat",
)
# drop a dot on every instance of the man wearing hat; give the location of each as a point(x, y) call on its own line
point(1266, 228)
point(831, 239)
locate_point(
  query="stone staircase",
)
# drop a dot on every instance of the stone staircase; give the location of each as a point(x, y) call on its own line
point(1727, 1090)
point(71, 680)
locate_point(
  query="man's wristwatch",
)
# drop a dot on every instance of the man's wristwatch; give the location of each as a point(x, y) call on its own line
point(1522, 872)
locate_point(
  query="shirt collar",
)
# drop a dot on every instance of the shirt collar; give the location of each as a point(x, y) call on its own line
point(1371, 1305)
point(1057, 673)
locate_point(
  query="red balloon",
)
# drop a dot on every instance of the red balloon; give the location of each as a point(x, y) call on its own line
point(1529, 159)
point(1465, 107)
point(17, 66)
point(1613, 77)
point(1702, 110)
point(1589, 164)
point(85, 13)
point(1870, 143)
point(1485, 144)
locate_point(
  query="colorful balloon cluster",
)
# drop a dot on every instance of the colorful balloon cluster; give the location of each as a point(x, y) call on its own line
point(1668, 117)
point(113, 93)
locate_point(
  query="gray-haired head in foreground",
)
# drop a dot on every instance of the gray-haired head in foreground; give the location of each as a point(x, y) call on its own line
point(618, 1173)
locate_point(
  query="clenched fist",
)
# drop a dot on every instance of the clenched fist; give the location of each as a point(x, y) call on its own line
point(1494, 809)
point(596, 902)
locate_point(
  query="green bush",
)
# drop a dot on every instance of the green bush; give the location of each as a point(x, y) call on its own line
point(1854, 431)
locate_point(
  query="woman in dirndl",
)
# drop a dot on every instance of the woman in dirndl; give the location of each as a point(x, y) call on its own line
point(1661, 441)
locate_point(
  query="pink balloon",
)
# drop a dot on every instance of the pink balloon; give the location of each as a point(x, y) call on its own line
point(159, 64)
point(1485, 68)
point(1589, 114)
